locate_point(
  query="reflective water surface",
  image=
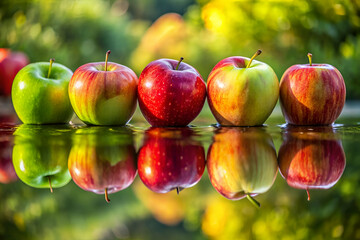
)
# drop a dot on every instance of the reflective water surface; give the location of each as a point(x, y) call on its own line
point(199, 182)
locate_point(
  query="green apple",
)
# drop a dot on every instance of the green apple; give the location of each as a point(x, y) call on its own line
point(242, 91)
point(40, 93)
point(40, 155)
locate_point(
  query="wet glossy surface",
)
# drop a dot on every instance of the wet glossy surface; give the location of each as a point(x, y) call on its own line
point(274, 165)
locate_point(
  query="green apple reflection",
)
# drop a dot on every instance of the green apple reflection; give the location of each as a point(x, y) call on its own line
point(40, 155)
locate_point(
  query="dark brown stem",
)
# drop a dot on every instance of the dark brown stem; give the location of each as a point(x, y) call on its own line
point(258, 52)
point(50, 66)
point(106, 59)
point(106, 195)
point(310, 58)
point(178, 65)
point(49, 179)
point(178, 190)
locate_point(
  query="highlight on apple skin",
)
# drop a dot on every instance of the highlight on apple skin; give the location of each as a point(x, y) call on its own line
point(241, 162)
point(311, 159)
point(312, 94)
point(242, 91)
point(171, 93)
point(104, 93)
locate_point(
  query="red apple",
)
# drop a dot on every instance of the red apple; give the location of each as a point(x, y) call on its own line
point(242, 91)
point(102, 160)
point(103, 93)
point(170, 159)
point(171, 93)
point(10, 65)
point(311, 159)
point(241, 162)
point(312, 94)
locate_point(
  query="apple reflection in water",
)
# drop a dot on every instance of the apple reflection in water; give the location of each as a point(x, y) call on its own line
point(242, 162)
point(311, 158)
point(102, 159)
point(7, 171)
point(40, 155)
point(170, 159)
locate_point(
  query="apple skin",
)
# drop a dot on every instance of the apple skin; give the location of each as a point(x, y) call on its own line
point(241, 162)
point(240, 96)
point(40, 152)
point(101, 97)
point(103, 159)
point(312, 95)
point(311, 159)
point(41, 100)
point(170, 97)
point(10, 64)
point(170, 159)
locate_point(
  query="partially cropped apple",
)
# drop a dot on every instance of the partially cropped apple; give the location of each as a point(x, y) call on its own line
point(241, 162)
point(104, 93)
point(311, 159)
point(40, 93)
point(312, 94)
point(102, 160)
point(40, 155)
point(170, 159)
point(10, 64)
point(7, 171)
point(242, 91)
point(171, 93)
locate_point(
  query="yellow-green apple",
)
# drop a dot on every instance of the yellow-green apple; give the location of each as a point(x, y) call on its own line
point(40, 155)
point(311, 159)
point(103, 160)
point(40, 93)
point(312, 94)
point(242, 91)
point(171, 93)
point(103, 93)
point(10, 64)
point(170, 158)
point(242, 162)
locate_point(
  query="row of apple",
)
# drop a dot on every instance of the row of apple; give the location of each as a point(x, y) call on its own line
point(241, 162)
point(240, 92)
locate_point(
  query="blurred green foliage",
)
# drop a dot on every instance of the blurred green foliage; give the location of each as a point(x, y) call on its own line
point(77, 32)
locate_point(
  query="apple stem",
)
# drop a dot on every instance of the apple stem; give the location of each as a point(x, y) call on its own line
point(51, 189)
point(106, 59)
point(106, 195)
point(310, 58)
point(253, 201)
point(308, 194)
point(50, 66)
point(178, 65)
point(258, 52)
point(178, 190)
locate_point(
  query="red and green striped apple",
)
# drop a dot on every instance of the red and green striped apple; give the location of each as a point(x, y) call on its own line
point(312, 94)
point(103, 93)
point(242, 91)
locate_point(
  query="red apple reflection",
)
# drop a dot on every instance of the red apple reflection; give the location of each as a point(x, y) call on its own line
point(7, 171)
point(242, 162)
point(103, 160)
point(170, 159)
point(311, 159)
